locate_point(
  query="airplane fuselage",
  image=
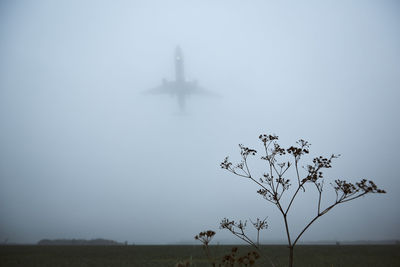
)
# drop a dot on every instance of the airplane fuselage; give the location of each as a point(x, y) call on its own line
point(181, 88)
point(179, 69)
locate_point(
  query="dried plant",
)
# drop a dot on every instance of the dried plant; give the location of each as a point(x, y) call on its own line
point(228, 260)
point(205, 238)
point(238, 229)
point(274, 184)
point(248, 259)
point(184, 263)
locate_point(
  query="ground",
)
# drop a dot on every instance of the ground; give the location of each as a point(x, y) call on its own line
point(305, 255)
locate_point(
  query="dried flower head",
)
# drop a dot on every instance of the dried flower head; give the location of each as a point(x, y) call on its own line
point(205, 237)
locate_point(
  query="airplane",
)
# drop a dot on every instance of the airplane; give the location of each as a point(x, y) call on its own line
point(181, 88)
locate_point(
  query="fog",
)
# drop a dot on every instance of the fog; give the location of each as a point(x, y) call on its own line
point(85, 154)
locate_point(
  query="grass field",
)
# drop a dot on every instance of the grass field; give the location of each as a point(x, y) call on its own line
point(310, 255)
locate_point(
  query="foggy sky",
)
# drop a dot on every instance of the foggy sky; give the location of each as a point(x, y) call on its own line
point(84, 154)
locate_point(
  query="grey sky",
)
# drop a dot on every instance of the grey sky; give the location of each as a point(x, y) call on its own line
point(83, 154)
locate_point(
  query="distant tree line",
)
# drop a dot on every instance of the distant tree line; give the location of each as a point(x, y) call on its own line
point(80, 242)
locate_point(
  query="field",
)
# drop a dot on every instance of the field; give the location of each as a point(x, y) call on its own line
point(121, 256)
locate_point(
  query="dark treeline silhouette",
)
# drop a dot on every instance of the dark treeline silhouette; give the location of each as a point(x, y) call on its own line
point(79, 242)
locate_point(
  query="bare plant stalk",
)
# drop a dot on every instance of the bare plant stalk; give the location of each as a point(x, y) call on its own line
point(238, 229)
point(273, 185)
point(205, 238)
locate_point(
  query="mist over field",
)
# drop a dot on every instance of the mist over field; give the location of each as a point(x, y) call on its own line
point(85, 154)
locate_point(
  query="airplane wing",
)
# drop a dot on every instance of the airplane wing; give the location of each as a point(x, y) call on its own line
point(164, 88)
point(173, 88)
point(193, 88)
